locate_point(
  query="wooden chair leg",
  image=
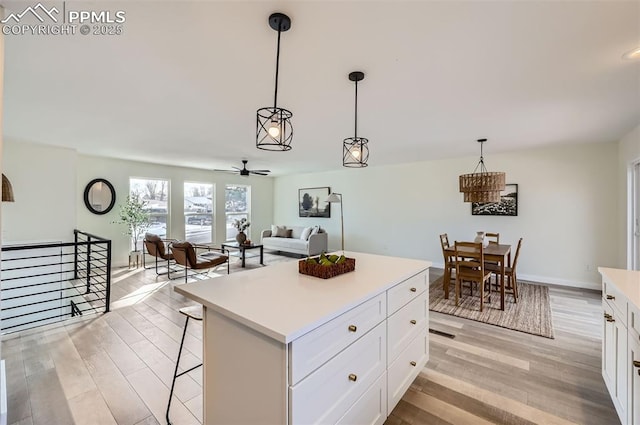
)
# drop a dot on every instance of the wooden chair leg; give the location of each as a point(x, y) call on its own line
point(481, 296)
point(458, 283)
point(515, 286)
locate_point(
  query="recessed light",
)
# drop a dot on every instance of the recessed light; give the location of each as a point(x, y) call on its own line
point(632, 54)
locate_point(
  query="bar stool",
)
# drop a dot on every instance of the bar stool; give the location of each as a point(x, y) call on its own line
point(195, 313)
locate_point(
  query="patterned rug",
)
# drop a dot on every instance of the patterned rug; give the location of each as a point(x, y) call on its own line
point(531, 314)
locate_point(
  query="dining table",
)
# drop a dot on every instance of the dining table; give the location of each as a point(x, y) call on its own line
point(498, 253)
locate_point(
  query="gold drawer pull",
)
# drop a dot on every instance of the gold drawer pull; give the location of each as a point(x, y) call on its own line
point(352, 328)
point(412, 363)
point(610, 319)
point(413, 322)
point(611, 297)
point(353, 377)
point(607, 316)
point(636, 363)
point(413, 289)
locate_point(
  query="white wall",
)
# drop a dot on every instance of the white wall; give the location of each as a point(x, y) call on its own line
point(44, 187)
point(567, 210)
point(118, 173)
point(49, 182)
point(629, 153)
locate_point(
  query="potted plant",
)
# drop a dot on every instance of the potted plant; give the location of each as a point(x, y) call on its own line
point(241, 225)
point(136, 217)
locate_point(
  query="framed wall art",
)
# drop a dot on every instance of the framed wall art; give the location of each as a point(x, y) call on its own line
point(508, 204)
point(312, 202)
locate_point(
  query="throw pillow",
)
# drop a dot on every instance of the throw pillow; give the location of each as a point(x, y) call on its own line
point(316, 229)
point(289, 233)
point(280, 231)
point(305, 233)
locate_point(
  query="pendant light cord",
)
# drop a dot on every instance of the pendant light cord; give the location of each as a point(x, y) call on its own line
point(483, 169)
point(356, 113)
point(275, 96)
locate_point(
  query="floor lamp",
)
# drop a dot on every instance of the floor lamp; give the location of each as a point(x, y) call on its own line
point(336, 198)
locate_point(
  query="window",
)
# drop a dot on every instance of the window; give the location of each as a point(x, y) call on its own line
point(198, 212)
point(156, 194)
point(236, 206)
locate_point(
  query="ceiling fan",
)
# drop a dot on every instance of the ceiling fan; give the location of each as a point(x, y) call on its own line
point(244, 172)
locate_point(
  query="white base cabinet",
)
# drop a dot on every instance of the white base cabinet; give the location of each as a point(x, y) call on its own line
point(621, 341)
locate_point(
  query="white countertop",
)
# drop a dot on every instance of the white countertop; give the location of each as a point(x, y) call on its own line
point(627, 281)
point(284, 304)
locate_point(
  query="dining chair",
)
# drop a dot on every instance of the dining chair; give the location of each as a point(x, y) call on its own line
point(449, 262)
point(470, 267)
point(494, 238)
point(509, 273)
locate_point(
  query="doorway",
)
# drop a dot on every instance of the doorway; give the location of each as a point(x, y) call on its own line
point(634, 225)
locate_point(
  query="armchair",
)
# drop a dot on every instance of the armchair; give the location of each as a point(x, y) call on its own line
point(155, 246)
point(185, 254)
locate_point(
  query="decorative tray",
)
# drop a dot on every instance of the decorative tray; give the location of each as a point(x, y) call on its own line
point(311, 266)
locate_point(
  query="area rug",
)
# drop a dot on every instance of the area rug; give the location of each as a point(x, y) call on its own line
point(531, 314)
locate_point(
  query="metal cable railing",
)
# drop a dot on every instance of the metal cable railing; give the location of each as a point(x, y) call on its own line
point(48, 282)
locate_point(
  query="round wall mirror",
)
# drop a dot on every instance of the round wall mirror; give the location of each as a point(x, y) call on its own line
point(99, 196)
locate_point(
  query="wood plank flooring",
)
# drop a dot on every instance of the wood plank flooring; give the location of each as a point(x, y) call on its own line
point(116, 368)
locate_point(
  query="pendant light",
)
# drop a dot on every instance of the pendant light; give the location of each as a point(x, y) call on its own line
point(274, 131)
point(482, 186)
point(355, 150)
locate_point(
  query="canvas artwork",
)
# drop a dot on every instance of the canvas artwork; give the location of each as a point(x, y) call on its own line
point(508, 204)
point(312, 202)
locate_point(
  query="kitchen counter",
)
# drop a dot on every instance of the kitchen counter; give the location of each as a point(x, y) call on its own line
point(627, 282)
point(283, 304)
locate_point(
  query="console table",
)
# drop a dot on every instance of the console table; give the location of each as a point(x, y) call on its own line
point(302, 350)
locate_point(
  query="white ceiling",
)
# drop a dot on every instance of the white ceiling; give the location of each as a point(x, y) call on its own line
point(182, 84)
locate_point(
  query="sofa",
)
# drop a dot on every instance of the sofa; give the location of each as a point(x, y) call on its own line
point(294, 239)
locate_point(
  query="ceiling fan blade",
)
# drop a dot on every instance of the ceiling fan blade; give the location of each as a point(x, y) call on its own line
point(258, 173)
point(225, 171)
point(236, 168)
point(262, 171)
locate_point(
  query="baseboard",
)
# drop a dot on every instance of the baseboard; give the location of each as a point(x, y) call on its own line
point(596, 286)
point(560, 282)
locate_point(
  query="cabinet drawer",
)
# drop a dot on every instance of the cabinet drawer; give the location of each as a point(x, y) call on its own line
point(406, 324)
point(325, 396)
point(615, 298)
point(402, 371)
point(313, 349)
point(371, 408)
point(404, 292)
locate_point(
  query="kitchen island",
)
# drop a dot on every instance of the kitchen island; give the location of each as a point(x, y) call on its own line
point(281, 347)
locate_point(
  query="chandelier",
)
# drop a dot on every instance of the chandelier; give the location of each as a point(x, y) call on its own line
point(482, 185)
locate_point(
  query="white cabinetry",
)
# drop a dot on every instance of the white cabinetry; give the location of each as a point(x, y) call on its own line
point(633, 357)
point(614, 347)
point(621, 344)
point(284, 348)
point(365, 364)
point(634, 381)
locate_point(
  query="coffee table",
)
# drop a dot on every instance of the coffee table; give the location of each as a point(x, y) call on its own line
point(243, 250)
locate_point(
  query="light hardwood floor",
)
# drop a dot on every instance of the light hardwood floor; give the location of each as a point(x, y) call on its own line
point(116, 368)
